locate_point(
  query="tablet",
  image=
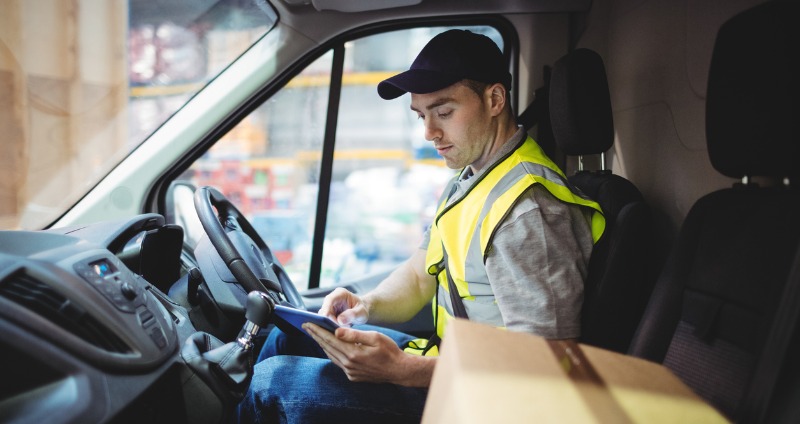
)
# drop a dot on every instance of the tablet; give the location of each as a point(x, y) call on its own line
point(297, 317)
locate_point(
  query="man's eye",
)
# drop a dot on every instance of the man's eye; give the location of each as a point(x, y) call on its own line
point(444, 114)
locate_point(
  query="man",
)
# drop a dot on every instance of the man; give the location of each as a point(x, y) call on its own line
point(509, 236)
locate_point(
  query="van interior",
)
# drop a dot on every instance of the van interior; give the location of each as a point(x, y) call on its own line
point(170, 182)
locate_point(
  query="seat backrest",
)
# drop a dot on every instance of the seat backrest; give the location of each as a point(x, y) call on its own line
point(620, 270)
point(712, 310)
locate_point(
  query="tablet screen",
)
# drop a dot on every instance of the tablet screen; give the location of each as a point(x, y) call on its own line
point(297, 317)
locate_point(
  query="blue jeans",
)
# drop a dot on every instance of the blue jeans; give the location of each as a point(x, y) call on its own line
point(294, 382)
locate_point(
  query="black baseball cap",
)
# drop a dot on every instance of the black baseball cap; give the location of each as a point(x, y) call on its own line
point(450, 57)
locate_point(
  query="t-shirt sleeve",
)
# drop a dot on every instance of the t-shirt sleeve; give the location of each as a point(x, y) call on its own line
point(537, 265)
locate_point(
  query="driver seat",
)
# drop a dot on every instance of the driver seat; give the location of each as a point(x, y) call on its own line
point(621, 274)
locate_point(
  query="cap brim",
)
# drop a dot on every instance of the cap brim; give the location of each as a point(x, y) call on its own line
point(417, 81)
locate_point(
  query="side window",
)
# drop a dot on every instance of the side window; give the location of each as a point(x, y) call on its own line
point(268, 166)
point(385, 182)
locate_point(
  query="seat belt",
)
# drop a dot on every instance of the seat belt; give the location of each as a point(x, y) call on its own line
point(459, 311)
point(539, 110)
point(458, 305)
point(757, 399)
point(455, 299)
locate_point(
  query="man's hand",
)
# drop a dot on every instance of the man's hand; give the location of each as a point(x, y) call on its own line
point(369, 356)
point(344, 307)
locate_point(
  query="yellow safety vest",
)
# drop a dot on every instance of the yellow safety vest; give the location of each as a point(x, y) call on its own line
point(465, 228)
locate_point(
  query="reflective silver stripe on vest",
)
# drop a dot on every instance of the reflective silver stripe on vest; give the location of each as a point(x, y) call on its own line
point(474, 271)
point(484, 308)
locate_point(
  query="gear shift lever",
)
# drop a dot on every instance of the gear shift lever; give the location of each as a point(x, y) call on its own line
point(227, 368)
point(259, 309)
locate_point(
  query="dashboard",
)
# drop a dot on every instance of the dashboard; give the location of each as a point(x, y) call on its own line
point(97, 324)
point(86, 337)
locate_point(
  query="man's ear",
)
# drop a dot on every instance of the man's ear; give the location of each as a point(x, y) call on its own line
point(497, 98)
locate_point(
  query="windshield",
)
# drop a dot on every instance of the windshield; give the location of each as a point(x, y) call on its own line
point(83, 83)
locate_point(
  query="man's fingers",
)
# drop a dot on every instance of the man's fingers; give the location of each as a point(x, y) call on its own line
point(343, 344)
point(327, 308)
point(354, 316)
point(326, 340)
point(362, 355)
point(335, 302)
point(319, 334)
point(350, 335)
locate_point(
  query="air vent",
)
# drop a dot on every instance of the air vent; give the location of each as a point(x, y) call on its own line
point(46, 302)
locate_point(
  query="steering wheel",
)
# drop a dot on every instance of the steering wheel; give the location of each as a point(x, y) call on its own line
point(242, 249)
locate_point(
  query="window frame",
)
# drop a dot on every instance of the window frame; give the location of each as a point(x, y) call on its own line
point(157, 199)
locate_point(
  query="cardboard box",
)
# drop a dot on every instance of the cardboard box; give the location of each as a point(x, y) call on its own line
point(490, 376)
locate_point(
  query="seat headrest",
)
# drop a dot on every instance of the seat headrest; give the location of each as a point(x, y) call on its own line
point(580, 104)
point(752, 104)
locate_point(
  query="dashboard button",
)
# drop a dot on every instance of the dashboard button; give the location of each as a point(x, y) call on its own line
point(158, 337)
point(146, 318)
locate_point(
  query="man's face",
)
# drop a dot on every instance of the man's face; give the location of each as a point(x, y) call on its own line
point(458, 123)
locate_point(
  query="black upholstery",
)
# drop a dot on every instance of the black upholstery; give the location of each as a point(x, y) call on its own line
point(620, 270)
point(580, 104)
point(711, 312)
point(742, 86)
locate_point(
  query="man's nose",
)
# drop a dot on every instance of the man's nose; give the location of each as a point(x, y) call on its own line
point(432, 131)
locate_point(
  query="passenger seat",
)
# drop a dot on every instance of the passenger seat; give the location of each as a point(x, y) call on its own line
point(723, 315)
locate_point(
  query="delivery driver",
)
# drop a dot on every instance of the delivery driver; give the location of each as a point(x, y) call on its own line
point(510, 237)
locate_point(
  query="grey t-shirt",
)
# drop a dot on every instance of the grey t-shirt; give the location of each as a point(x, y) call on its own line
point(538, 259)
